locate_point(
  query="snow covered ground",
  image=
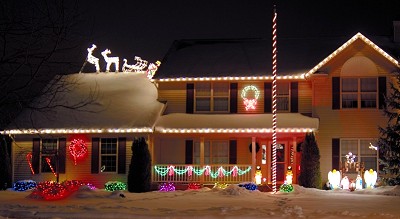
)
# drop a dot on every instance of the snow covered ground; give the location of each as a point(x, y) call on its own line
point(233, 202)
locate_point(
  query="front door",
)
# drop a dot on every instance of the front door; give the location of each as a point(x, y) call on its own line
point(280, 162)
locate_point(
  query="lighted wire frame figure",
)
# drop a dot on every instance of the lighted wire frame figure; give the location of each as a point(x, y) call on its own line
point(91, 59)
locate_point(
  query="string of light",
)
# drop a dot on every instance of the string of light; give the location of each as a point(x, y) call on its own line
point(207, 171)
point(274, 70)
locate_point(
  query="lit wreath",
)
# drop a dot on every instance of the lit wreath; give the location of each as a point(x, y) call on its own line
point(250, 103)
point(78, 149)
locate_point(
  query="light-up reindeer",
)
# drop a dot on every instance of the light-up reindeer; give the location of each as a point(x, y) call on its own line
point(138, 66)
point(91, 59)
point(110, 60)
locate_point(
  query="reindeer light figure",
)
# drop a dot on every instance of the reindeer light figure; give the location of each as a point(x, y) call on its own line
point(110, 60)
point(91, 59)
point(138, 66)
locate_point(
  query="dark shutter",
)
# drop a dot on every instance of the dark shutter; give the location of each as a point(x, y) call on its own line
point(335, 153)
point(121, 155)
point(294, 97)
point(336, 93)
point(61, 154)
point(233, 98)
point(189, 98)
point(232, 152)
point(36, 155)
point(95, 155)
point(382, 92)
point(189, 152)
point(268, 97)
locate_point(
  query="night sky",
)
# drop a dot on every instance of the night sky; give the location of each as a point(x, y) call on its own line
point(147, 28)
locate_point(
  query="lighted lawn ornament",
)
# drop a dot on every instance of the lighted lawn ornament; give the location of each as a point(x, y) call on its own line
point(48, 161)
point(345, 183)
point(370, 177)
point(359, 183)
point(334, 179)
point(352, 185)
point(78, 149)
point(140, 65)
point(250, 103)
point(287, 185)
point(110, 60)
point(258, 175)
point(289, 175)
point(29, 159)
point(91, 59)
point(151, 70)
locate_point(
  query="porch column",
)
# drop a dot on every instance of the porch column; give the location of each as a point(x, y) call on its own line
point(253, 158)
point(150, 140)
point(201, 158)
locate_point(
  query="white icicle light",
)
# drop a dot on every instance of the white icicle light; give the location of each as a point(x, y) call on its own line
point(110, 60)
point(91, 59)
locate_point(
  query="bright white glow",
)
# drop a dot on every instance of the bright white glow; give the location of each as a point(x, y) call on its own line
point(372, 147)
point(242, 130)
point(250, 103)
point(258, 177)
point(359, 183)
point(370, 177)
point(72, 131)
point(225, 78)
point(345, 183)
point(140, 65)
point(110, 60)
point(334, 179)
point(350, 157)
point(91, 59)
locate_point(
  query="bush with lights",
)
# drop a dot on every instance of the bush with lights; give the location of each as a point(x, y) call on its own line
point(286, 188)
point(23, 185)
point(249, 186)
point(114, 185)
point(194, 186)
point(219, 185)
point(49, 190)
point(166, 187)
point(73, 185)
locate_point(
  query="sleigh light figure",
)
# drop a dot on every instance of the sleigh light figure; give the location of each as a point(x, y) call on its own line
point(140, 65)
point(110, 60)
point(91, 59)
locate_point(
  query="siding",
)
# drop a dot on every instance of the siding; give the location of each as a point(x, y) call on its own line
point(305, 97)
point(175, 95)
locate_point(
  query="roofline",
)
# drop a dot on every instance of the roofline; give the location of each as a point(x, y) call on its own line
point(344, 46)
point(230, 78)
point(76, 131)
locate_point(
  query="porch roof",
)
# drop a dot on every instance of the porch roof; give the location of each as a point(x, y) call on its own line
point(234, 123)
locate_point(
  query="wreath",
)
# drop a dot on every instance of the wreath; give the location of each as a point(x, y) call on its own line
point(78, 149)
point(257, 147)
point(250, 103)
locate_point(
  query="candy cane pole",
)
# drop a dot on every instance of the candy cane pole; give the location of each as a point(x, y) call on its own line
point(274, 69)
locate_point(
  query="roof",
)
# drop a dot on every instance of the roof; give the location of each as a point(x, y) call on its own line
point(196, 58)
point(124, 102)
point(243, 123)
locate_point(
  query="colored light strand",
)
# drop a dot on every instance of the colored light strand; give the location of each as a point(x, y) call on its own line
point(48, 161)
point(166, 187)
point(274, 70)
point(189, 170)
point(78, 149)
point(23, 185)
point(114, 185)
point(250, 103)
point(29, 159)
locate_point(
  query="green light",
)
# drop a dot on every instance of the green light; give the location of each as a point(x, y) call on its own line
point(221, 172)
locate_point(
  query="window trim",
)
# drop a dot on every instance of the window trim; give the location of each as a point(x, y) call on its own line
point(358, 150)
point(289, 96)
point(101, 154)
point(52, 155)
point(211, 97)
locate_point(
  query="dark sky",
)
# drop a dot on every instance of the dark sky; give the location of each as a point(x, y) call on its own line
point(147, 28)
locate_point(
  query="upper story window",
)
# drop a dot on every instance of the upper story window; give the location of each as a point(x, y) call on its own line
point(359, 93)
point(282, 96)
point(212, 97)
point(215, 152)
point(48, 156)
point(108, 154)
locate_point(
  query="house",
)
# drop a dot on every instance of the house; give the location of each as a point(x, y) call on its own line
point(207, 112)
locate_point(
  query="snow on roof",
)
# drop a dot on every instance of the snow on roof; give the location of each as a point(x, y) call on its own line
point(123, 101)
point(286, 122)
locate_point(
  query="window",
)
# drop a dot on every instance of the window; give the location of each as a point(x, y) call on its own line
point(361, 149)
point(282, 96)
point(212, 97)
point(359, 93)
point(48, 155)
point(108, 154)
point(215, 152)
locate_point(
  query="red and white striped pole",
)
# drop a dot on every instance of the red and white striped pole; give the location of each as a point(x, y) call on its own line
point(274, 70)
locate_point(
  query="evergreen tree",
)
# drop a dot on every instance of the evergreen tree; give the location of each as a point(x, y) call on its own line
point(5, 162)
point(310, 175)
point(139, 176)
point(389, 140)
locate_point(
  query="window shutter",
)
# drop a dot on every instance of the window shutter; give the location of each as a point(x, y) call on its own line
point(232, 152)
point(335, 153)
point(233, 97)
point(382, 92)
point(268, 97)
point(336, 93)
point(95, 155)
point(189, 152)
point(189, 98)
point(121, 155)
point(61, 154)
point(294, 97)
point(36, 155)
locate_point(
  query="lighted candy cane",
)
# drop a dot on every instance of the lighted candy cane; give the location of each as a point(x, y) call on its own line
point(221, 172)
point(235, 171)
point(51, 167)
point(207, 170)
point(189, 170)
point(29, 159)
point(274, 69)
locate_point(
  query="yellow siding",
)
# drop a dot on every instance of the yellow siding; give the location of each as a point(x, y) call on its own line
point(305, 97)
point(175, 95)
